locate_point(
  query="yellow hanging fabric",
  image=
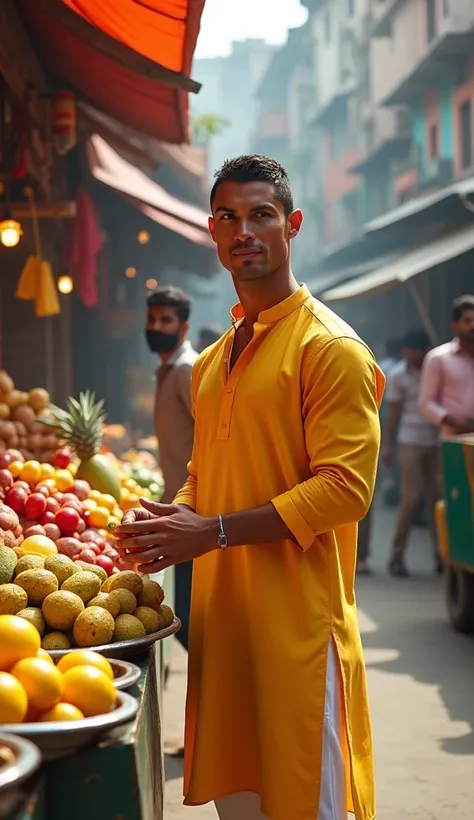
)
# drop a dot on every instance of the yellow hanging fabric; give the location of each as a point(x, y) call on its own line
point(47, 302)
point(27, 283)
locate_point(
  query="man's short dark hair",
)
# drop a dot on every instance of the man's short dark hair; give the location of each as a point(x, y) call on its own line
point(416, 340)
point(170, 296)
point(256, 168)
point(394, 347)
point(461, 304)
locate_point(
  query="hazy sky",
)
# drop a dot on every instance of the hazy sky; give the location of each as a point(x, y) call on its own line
point(224, 21)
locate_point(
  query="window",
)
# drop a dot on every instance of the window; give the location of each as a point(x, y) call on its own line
point(433, 141)
point(465, 127)
point(431, 20)
point(327, 25)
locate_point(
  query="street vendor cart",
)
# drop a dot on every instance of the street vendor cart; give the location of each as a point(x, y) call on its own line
point(455, 526)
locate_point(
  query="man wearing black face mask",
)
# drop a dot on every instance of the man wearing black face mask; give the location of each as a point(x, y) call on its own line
point(166, 328)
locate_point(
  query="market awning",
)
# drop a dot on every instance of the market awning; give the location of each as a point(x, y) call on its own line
point(460, 189)
point(130, 59)
point(108, 167)
point(405, 267)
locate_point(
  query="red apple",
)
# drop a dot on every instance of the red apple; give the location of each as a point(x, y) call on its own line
point(62, 459)
point(21, 484)
point(52, 505)
point(106, 563)
point(47, 518)
point(5, 460)
point(16, 498)
point(73, 505)
point(6, 479)
point(67, 520)
point(81, 489)
point(35, 505)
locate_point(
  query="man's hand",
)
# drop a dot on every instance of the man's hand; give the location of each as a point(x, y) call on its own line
point(161, 535)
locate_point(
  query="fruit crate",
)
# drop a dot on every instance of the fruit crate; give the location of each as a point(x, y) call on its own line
point(119, 777)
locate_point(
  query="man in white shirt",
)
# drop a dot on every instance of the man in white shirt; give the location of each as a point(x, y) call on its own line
point(417, 441)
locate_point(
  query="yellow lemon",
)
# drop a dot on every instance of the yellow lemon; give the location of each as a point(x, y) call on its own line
point(61, 711)
point(13, 699)
point(99, 517)
point(31, 472)
point(107, 501)
point(46, 471)
point(39, 545)
point(85, 657)
point(43, 683)
point(18, 639)
point(64, 480)
point(89, 689)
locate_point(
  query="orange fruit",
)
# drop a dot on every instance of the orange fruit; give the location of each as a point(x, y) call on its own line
point(15, 468)
point(46, 471)
point(30, 472)
point(89, 504)
point(43, 683)
point(133, 500)
point(13, 699)
point(99, 517)
point(61, 711)
point(85, 657)
point(89, 689)
point(39, 545)
point(107, 501)
point(45, 656)
point(18, 639)
point(64, 480)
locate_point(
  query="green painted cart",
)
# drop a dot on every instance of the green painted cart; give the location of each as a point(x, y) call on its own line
point(455, 524)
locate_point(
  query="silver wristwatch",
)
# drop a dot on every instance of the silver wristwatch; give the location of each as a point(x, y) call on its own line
point(222, 537)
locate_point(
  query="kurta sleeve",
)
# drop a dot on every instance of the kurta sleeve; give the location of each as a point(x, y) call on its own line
point(187, 494)
point(342, 389)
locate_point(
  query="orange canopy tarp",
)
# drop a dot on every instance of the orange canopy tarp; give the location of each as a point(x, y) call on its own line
point(131, 59)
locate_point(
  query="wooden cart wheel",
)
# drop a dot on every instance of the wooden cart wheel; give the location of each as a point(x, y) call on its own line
point(459, 586)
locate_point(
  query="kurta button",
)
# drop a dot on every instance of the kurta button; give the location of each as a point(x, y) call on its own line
point(224, 425)
point(229, 390)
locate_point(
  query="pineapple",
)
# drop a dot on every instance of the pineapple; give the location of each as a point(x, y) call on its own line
point(81, 427)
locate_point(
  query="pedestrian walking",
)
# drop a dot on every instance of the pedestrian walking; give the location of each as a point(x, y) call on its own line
point(283, 466)
point(417, 445)
point(167, 325)
point(447, 385)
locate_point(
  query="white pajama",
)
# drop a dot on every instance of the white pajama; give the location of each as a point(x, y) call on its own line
point(332, 801)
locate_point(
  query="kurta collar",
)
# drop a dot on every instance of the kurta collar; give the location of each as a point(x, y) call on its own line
point(277, 312)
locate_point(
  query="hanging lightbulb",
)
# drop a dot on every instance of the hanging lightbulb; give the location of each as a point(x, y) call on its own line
point(151, 284)
point(143, 237)
point(10, 232)
point(130, 273)
point(65, 284)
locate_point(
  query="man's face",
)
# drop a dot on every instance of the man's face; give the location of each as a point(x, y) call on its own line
point(464, 328)
point(415, 356)
point(165, 319)
point(251, 230)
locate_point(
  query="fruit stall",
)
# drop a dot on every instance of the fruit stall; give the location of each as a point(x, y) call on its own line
point(83, 635)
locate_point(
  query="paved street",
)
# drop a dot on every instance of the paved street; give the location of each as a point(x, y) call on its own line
point(421, 678)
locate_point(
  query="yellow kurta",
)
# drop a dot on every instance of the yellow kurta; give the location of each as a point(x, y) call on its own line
point(295, 423)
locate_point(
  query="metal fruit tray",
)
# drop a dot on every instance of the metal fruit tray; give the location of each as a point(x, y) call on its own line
point(12, 775)
point(126, 649)
point(60, 738)
point(126, 674)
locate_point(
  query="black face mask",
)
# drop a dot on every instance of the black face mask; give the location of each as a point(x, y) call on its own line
point(160, 342)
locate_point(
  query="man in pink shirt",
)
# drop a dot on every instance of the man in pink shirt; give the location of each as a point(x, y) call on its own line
point(447, 380)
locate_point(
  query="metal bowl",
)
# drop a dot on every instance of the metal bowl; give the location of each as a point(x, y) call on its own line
point(12, 775)
point(126, 674)
point(60, 738)
point(125, 649)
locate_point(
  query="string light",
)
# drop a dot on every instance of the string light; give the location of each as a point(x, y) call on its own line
point(143, 237)
point(130, 273)
point(65, 284)
point(151, 284)
point(10, 233)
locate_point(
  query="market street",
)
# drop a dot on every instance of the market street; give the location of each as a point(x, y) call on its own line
point(421, 677)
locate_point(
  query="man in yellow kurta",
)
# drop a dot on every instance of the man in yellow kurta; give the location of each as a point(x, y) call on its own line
point(283, 468)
